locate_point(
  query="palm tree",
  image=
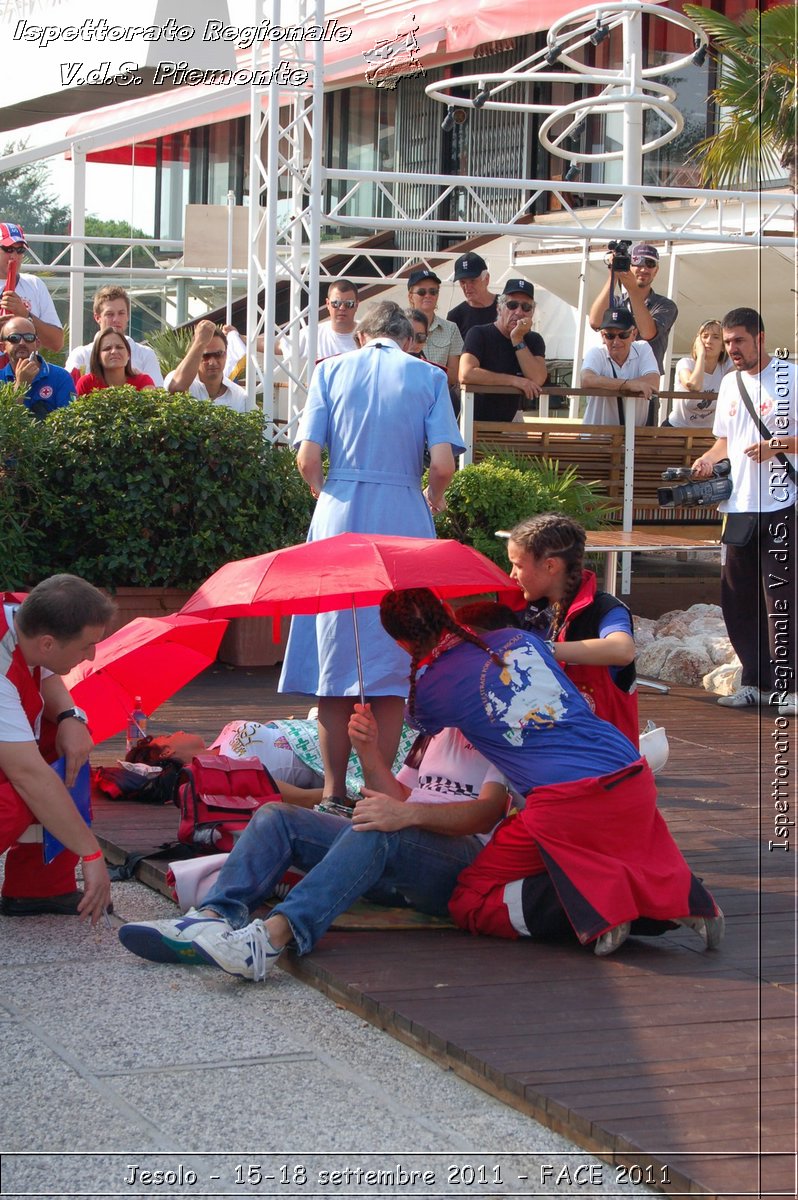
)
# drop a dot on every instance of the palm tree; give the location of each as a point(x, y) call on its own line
point(757, 85)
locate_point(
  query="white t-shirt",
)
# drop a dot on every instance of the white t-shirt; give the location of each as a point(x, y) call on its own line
point(251, 739)
point(328, 343)
point(758, 487)
point(142, 360)
point(603, 410)
point(14, 725)
point(231, 395)
point(696, 414)
point(38, 300)
point(451, 770)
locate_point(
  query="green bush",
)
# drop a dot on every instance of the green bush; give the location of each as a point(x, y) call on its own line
point(25, 501)
point(145, 489)
point(497, 493)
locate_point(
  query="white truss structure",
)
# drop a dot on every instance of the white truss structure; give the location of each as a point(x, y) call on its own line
point(285, 164)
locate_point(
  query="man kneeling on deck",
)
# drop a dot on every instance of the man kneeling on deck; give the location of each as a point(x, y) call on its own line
point(408, 840)
point(42, 638)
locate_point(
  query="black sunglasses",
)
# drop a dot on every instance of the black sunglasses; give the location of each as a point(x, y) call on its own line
point(425, 292)
point(214, 354)
point(610, 337)
point(341, 303)
point(514, 304)
point(15, 249)
point(16, 338)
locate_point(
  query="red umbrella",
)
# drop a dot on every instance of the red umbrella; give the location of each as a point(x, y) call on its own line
point(150, 657)
point(354, 569)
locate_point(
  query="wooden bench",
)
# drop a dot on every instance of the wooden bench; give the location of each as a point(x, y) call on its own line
point(597, 453)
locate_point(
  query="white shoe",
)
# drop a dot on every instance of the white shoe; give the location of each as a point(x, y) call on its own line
point(788, 705)
point(709, 929)
point(745, 697)
point(246, 952)
point(169, 941)
point(609, 942)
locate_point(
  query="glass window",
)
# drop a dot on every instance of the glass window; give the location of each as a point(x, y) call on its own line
point(171, 194)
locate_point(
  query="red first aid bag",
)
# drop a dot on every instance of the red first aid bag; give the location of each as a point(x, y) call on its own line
point(217, 797)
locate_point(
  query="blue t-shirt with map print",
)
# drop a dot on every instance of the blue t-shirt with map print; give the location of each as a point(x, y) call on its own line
point(527, 718)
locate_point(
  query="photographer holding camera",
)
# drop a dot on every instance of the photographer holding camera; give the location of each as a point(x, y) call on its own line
point(756, 426)
point(636, 270)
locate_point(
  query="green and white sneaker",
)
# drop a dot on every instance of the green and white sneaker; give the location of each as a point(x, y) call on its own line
point(246, 952)
point(169, 941)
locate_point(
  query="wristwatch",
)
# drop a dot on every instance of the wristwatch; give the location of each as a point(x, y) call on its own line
point(519, 345)
point(77, 713)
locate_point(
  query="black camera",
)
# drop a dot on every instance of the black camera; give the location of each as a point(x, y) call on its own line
point(619, 258)
point(703, 491)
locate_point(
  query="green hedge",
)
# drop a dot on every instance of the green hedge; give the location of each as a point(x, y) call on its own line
point(139, 489)
point(497, 493)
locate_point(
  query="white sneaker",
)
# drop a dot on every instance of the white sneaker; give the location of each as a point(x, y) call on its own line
point(788, 706)
point(745, 697)
point(709, 929)
point(609, 942)
point(169, 941)
point(246, 952)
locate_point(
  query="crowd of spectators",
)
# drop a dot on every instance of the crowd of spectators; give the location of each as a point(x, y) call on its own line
point(487, 339)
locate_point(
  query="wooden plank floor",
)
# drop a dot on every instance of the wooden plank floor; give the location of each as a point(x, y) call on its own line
point(659, 1054)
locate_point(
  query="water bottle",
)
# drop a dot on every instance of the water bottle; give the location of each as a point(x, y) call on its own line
point(136, 725)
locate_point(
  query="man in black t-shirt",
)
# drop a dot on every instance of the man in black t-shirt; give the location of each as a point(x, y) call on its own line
point(479, 305)
point(506, 353)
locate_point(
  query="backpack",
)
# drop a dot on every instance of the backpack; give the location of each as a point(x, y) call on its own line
point(217, 797)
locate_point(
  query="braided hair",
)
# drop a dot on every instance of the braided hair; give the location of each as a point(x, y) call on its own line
point(555, 535)
point(416, 617)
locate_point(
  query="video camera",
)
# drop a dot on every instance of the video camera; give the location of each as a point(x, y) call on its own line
point(618, 259)
point(704, 491)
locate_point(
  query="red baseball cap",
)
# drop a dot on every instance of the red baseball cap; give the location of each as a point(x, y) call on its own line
point(12, 235)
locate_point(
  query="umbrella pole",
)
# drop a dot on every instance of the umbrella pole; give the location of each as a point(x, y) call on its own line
point(357, 655)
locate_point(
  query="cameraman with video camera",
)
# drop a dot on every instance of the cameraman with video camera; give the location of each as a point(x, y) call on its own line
point(636, 270)
point(756, 426)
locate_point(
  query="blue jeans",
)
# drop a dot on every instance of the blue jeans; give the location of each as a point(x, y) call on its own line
point(410, 866)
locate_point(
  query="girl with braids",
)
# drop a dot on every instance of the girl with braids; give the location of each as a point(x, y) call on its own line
point(590, 828)
point(592, 630)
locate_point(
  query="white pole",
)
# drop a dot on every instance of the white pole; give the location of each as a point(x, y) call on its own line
point(77, 278)
point(579, 337)
point(231, 203)
point(632, 116)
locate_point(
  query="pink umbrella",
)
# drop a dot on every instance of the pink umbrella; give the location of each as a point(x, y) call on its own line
point(351, 569)
point(150, 657)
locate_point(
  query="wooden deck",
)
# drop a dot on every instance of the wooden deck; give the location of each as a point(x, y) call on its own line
point(661, 1054)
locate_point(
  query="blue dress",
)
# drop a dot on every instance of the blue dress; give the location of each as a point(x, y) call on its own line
point(375, 410)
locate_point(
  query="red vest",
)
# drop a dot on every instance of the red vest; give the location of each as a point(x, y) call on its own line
point(605, 698)
point(17, 671)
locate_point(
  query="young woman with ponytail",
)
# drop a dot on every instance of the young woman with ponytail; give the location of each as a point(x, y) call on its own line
point(589, 842)
point(591, 630)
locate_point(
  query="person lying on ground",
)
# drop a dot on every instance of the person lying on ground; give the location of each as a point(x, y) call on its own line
point(289, 749)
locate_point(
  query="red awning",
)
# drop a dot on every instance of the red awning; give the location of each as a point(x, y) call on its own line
point(439, 32)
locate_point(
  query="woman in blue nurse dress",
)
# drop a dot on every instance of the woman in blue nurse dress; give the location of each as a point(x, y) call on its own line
point(375, 410)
